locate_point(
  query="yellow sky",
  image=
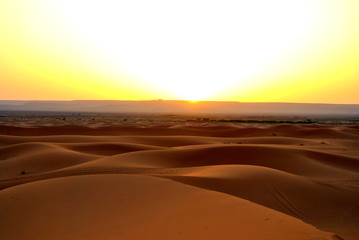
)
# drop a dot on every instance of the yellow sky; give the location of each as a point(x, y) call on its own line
point(260, 50)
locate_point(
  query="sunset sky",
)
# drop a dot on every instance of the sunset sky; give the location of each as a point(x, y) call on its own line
point(250, 51)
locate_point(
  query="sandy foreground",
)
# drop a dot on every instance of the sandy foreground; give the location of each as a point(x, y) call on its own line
point(179, 182)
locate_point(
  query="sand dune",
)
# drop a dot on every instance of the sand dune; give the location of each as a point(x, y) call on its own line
point(179, 182)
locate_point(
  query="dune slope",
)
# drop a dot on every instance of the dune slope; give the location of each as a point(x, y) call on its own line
point(179, 182)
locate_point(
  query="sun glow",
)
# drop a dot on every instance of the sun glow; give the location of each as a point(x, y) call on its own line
point(191, 49)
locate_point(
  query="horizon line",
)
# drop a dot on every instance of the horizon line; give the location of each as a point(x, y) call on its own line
point(173, 100)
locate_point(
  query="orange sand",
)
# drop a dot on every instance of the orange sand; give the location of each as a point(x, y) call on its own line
point(179, 182)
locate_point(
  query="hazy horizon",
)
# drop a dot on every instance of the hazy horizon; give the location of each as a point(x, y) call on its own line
point(182, 107)
point(160, 99)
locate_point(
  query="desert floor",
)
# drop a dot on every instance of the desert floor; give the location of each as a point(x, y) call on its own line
point(179, 181)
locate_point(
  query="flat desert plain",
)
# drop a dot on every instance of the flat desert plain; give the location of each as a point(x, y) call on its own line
point(179, 182)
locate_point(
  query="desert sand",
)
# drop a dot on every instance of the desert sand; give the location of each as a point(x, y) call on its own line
point(179, 182)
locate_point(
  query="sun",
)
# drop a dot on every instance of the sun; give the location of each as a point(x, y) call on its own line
point(191, 49)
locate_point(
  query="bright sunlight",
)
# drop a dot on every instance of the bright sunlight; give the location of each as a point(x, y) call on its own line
point(228, 50)
point(193, 49)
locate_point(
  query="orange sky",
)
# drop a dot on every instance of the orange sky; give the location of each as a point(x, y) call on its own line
point(258, 51)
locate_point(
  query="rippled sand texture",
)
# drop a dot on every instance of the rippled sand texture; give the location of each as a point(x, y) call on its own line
point(179, 182)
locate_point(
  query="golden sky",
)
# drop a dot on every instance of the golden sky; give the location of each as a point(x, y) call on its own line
point(257, 51)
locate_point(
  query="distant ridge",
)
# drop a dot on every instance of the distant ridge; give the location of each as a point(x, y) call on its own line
point(183, 107)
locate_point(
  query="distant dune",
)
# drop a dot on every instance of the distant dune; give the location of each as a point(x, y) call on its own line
point(179, 182)
point(166, 106)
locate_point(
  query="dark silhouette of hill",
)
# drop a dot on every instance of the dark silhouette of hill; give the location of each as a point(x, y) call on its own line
point(174, 106)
